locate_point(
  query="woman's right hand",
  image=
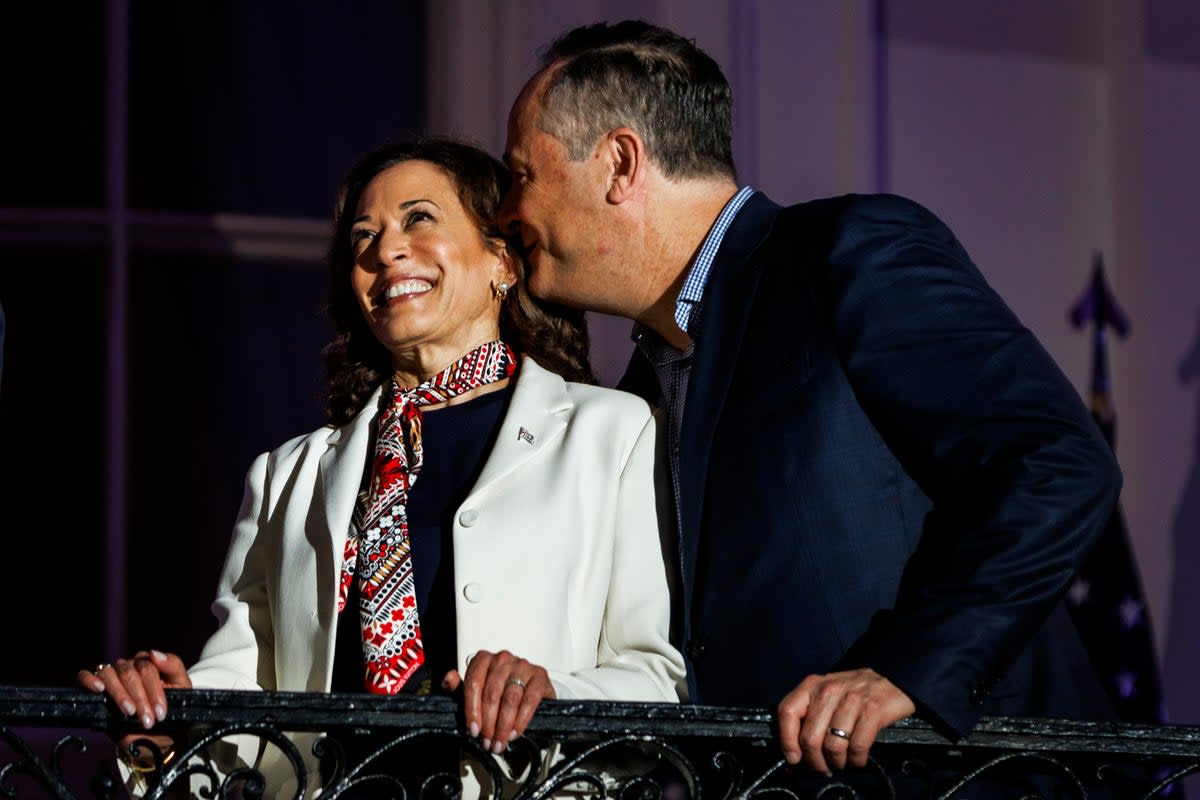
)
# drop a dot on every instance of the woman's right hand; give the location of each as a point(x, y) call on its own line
point(500, 693)
point(137, 686)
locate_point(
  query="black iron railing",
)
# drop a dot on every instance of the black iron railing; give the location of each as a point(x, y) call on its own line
point(59, 744)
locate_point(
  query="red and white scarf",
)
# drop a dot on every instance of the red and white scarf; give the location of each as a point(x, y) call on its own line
point(377, 546)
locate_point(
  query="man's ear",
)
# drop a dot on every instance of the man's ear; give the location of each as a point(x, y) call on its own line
point(627, 156)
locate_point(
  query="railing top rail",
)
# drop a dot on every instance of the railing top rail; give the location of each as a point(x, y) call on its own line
point(317, 711)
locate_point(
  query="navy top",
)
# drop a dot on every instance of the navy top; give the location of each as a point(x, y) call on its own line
point(456, 441)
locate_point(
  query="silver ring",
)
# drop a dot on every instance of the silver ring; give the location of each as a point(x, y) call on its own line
point(838, 732)
point(515, 681)
point(100, 668)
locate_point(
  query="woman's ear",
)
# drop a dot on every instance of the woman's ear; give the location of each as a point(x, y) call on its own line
point(505, 271)
point(627, 155)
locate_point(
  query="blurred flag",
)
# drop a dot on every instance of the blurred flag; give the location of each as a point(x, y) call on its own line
point(1106, 598)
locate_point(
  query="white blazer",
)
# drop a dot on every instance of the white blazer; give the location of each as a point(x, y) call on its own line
point(557, 554)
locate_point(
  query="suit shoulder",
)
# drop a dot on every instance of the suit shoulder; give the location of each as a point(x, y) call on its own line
point(318, 441)
point(820, 229)
point(876, 206)
point(297, 446)
point(586, 399)
point(602, 398)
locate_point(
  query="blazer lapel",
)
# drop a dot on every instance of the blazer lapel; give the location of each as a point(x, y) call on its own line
point(341, 470)
point(728, 298)
point(535, 418)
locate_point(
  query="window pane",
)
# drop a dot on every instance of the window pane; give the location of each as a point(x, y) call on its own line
point(258, 108)
point(52, 477)
point(226, 365)
point(53, 60)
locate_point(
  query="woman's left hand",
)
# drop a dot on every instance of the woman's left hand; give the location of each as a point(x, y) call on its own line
point(500, 693)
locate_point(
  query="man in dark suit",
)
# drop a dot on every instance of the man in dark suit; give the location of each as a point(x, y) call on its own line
point(883, 483)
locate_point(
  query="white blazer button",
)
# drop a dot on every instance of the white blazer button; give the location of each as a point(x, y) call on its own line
point(468, 517)
point(473, 592)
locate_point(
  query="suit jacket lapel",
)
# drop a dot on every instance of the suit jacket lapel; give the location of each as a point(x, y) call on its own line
point(342, 467)
point(728, 297)
point(534, 419)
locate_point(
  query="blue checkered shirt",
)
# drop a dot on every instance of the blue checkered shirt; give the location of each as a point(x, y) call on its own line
point(673, 367)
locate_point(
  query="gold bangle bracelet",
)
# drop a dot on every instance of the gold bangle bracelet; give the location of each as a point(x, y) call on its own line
point(139, 765)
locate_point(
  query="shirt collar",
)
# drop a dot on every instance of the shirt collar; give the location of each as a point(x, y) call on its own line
point(687, 305)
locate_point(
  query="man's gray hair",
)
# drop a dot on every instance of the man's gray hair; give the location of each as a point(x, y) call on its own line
point(601, 77)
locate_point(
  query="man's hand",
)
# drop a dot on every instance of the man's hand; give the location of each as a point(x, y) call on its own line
point(859, 704)
point(500, 694)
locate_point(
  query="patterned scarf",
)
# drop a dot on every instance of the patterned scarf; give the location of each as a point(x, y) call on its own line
point(391, 630)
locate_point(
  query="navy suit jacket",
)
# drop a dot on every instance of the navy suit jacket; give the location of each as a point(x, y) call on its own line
point(880, 466)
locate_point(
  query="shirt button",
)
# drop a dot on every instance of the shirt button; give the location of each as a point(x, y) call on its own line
point(468, 517)
point(473, 592)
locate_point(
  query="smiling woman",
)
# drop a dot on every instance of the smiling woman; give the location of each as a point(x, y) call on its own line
point(348, 573)
point(427, 281)
point(460, 189)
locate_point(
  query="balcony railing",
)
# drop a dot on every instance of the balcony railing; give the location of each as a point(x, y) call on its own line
point(414, 747)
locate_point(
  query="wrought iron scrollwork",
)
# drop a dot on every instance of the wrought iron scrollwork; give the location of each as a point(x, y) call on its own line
point(195, 763)
point(377, 747)
point(48, 776)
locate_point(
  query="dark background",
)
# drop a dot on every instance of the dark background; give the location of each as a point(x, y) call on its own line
point(232, 109)
point(243, 115)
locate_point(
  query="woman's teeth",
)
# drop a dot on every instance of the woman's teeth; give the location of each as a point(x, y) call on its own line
point(413, 286)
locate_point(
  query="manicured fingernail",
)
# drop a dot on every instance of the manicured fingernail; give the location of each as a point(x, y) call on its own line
point(474, 729)
point(129, 708)
point(159, 656)
point(487, 744)
point(513, 735)
point(147, 721)
point(160, 712)
point(791, 756)
point(498, 747)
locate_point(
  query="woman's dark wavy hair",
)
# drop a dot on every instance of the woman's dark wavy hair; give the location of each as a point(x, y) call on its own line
point(356, 362)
